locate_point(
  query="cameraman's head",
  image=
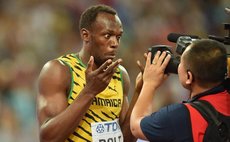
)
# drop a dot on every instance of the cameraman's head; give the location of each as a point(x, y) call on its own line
point(203, 64)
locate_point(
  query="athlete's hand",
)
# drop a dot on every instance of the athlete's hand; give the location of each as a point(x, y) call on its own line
point(97, 80)
point(139, 78)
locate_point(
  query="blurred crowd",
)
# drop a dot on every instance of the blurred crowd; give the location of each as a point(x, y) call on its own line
point(35, 31)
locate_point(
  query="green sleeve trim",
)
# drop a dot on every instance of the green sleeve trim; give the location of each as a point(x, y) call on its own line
point(122, 81)
point(71, 72)
point(80, 61)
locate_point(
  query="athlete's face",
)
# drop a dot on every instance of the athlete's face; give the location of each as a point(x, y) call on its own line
point(105, 37)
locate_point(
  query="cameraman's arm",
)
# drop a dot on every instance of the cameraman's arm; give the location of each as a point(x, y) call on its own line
point(153, 77)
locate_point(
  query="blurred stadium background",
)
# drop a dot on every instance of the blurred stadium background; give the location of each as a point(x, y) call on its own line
point(35, 31)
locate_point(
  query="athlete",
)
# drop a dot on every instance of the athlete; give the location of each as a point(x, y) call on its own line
point(83, 96)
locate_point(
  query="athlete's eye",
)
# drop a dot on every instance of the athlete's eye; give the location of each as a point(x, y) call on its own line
point(107, 36)
point(118, 38)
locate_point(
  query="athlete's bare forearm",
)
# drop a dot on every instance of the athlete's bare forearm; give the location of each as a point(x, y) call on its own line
point(58, 128)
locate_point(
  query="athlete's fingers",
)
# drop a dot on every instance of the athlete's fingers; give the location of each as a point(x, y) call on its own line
point(141, 67)
point(90, 64)
point(105, 65)
point(145, 56)
point(112, 68)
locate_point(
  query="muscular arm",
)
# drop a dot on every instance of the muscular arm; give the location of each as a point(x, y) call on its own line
point(57, 119)
point(125, 116)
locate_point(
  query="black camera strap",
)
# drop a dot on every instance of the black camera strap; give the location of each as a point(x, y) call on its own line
point(218, 124)
point(207, 111)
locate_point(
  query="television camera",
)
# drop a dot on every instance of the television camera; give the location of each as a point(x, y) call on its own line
point(182, 41)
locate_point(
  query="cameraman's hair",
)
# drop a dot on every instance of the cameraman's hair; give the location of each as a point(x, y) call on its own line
point(207, 60)
point(88, 17)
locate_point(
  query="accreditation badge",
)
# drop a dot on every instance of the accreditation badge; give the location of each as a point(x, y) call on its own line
point(108, 131)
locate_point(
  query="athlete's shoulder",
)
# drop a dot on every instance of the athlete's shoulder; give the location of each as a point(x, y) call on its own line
point(53, 77)
point(54, 70)
point(124, 72)
point(123, 69)
point(52, 65)
point(125, 78)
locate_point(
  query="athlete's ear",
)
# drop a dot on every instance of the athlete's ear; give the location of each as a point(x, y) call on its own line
point(189, 77)
point(85, 34)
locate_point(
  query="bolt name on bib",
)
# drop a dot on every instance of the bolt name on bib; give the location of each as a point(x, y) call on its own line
point(115, 139)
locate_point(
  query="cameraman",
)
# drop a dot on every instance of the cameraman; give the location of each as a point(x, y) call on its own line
point(203, 71)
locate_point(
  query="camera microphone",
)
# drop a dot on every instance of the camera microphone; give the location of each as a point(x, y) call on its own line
point(172, 37)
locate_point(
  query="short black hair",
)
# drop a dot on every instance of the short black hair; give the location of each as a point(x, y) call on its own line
point(207, 60)
point(88, 17)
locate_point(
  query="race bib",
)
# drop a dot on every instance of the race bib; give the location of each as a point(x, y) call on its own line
point(108, 131)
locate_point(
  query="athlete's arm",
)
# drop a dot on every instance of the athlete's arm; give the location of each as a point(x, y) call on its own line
point(57, 120)
point(124, 118)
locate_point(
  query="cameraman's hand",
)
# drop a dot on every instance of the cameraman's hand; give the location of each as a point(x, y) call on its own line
point(97, 80)
point(154, 73)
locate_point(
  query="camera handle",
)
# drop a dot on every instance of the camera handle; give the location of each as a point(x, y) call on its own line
point(226, 39)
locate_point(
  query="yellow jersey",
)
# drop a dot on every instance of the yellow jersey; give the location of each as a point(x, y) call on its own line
point(106, 106)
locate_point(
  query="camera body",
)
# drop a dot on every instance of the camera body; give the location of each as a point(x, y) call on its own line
point(182, 42)
point(174, 61)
